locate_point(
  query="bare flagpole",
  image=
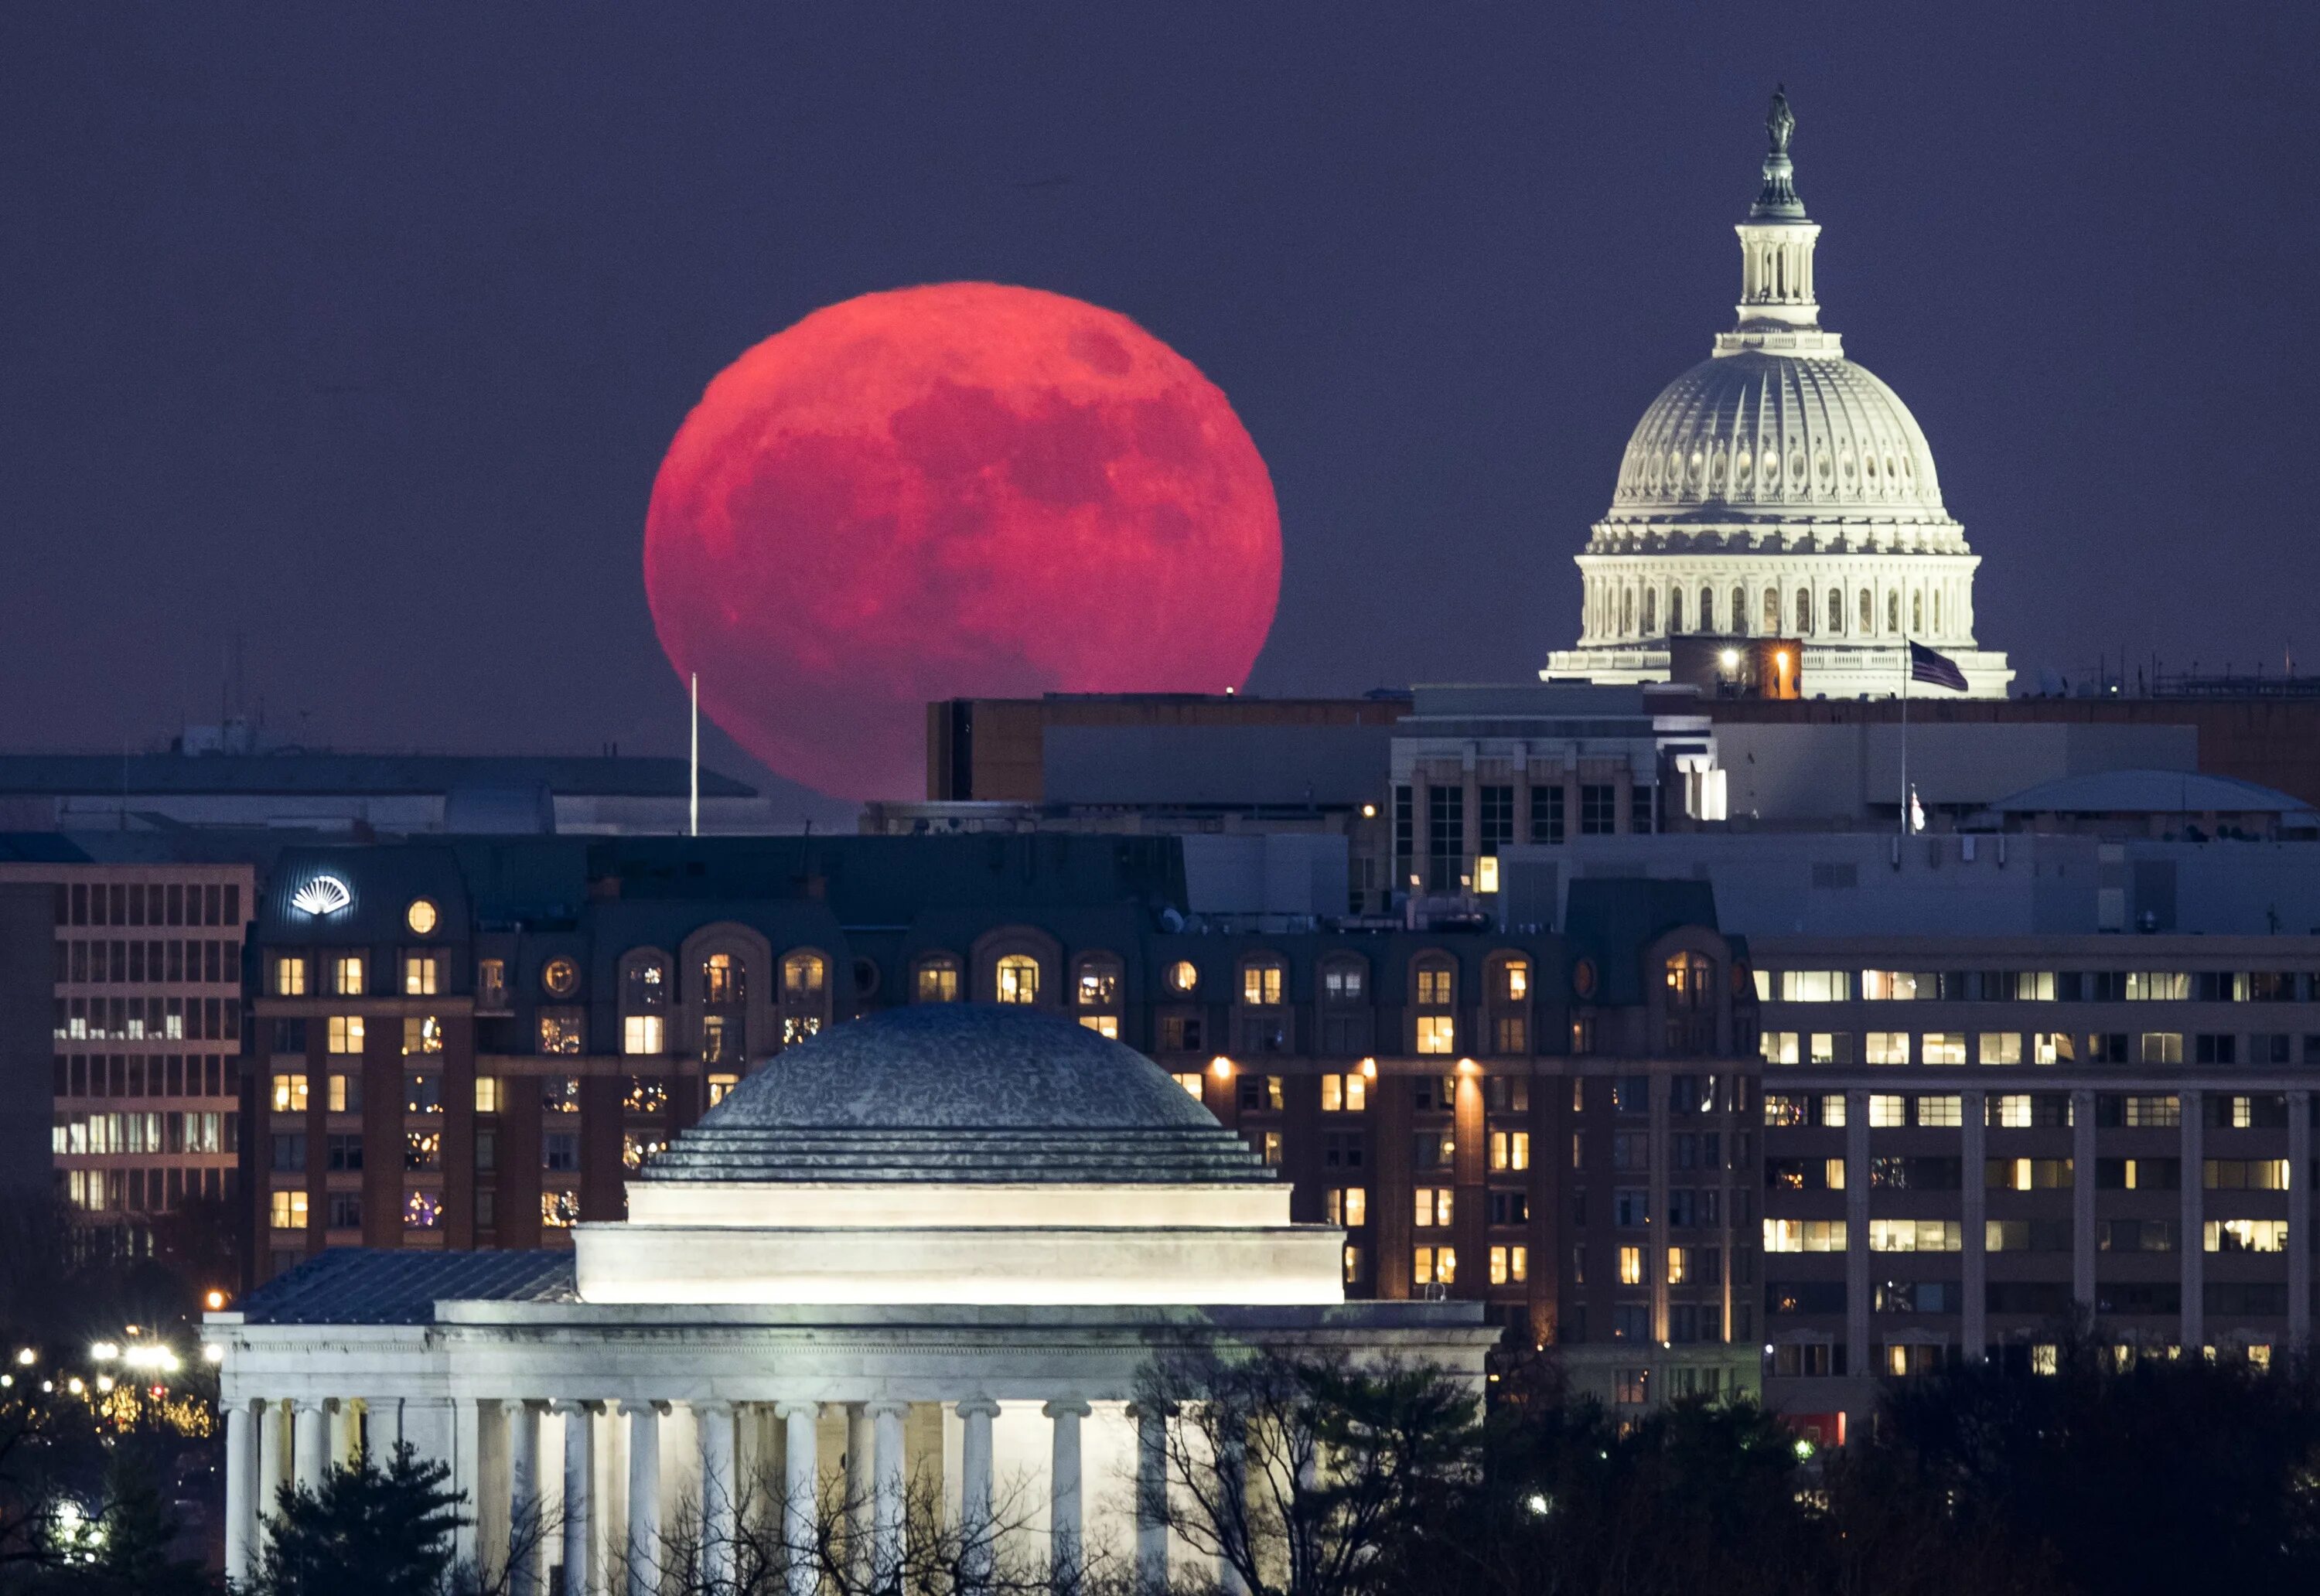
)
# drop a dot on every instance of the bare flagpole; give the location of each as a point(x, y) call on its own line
point(1905, 734)
point(693, 809)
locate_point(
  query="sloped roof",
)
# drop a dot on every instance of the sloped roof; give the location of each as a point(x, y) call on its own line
point(1611, 919)
point(353, 1285)
point(2149, 791)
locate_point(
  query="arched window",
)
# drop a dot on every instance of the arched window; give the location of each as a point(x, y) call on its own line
point(936, 980)
point(1917, 612)
point(1675, 610)
point(1803, 611)
point(1771, 612)
point(1626, 612)
point(1019, 979)
point(1868, 615)
point(1740, 610)
point(644, 1003)
point(1937, 611)
point(805, 986)
point(1651, 611)
point(1512, 985)
point(1262, 982)
point(1892, 612)
point(1689, 984)
point(724, 979)
point(1835, 611)
point(1096, 992)
point(1707, 609)
point(803, 978)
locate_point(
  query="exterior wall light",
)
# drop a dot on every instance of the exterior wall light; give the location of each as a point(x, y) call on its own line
point(1221, 1068)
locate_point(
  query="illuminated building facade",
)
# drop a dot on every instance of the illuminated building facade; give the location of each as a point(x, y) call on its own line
point(1559, 1126)
point(135, 1086)
point(1779, 490)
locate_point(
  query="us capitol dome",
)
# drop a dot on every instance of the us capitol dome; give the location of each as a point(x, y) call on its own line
point(1777, 489)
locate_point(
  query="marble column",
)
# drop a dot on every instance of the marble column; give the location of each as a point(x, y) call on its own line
point(861, 1445)
point(1066, 1524)
point(975, 1471)
point(269, 1465)
point(240, 1509)
point(800, 1477)
point(309, 1441)
point(382, 1429)
point(525, 1547)
point(1151, 1495)
point(644, 1497)
point(719, 1522)
point(342, 1432)
point(579, 1473)
point(1232, 1482)
point(886, 1484)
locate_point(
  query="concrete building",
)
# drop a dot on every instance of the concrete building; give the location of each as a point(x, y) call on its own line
point(121, 1020)
point(958, 1234)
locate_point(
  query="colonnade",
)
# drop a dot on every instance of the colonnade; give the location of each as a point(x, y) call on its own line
point(270, 1444)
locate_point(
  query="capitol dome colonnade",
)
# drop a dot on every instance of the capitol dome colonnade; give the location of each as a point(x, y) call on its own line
point(1777, 489)
point(945, 1243)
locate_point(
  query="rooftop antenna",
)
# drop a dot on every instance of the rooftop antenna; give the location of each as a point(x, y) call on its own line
point(693, 822)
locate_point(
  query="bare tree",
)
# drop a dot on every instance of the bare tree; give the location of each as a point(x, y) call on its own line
point(1290, 1470)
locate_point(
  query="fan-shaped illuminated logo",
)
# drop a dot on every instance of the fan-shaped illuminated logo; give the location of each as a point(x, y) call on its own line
point(324, 894)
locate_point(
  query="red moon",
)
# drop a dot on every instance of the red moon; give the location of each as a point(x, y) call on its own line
point(958, 490)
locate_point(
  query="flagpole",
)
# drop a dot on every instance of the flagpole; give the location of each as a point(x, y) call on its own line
point(1905, 734)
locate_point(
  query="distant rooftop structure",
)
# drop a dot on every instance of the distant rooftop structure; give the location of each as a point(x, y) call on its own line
point(309, 790)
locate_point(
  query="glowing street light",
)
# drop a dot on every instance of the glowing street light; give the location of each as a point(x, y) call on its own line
point(105, 1352)
point(28, 1357)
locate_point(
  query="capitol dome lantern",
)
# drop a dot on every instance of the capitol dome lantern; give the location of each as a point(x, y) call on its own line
point(1779, 489)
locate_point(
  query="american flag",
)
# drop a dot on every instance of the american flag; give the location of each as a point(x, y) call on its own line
point(1940, 669)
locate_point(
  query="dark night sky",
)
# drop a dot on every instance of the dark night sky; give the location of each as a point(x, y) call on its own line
point(360, 330)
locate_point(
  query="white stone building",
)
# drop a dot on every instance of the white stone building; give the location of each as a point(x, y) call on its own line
point(1779, 490)
point(938, 1245)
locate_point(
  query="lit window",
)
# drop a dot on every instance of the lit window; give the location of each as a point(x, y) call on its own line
point(1514, 979)
point(290, 1094)
point(422, 918)
point(346, 1032)
point(1348, 1206)
point(559, 1210)
point(1434, 986)
point(1631, 1265)
point(1103, 1025)
point(1916, 1236)
point(1887, 1109)
point(1433, 1266)
point(562, 1030)
point(718, 1086)
point(1346, 1094)
point(491, 982)
point(2246, 1236)
point(1182, 976)
point(560, 976)
point(560, 1094)
point(1353, 1264)
point(420, 971)
point(421, 1033)
point(1942, 1046)
point(289, 1210)
point(1941, 1110)
point(1885, 1046)
point(1342, 983)
point(423, 1211)
point(1804, 1236)
point(347, 975)
point(1019, 979)
point(643, 1033)
point(1437, 1033)
point(1510, 1265)
point(1098, 986)
point(1778, 1047)
point(289, 977)
point(1260, 985)
point(802, 974)
point(1510, 1149)
point(1689, 984)
point(1679, 1263)
point(487, 1095)
point(722, 980)
point(1431, 1206)
point(346, 1095)
point(637, 1151)
point(1999, 1046)
point(1191, 1081)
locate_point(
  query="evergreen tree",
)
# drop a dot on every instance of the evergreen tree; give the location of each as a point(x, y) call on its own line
point(366, 1532)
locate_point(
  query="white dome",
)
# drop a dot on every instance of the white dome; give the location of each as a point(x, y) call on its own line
point(1752, 434)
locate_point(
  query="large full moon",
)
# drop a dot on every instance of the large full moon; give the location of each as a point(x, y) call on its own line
point(953, 491)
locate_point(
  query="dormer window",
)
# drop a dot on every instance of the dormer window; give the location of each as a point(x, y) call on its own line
point(1019, 979)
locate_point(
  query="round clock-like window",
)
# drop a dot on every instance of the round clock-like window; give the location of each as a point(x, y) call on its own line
point(421, 917)
point(1182, 976)
point(561, 976)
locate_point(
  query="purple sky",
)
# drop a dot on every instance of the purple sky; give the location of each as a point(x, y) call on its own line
point(360, 330)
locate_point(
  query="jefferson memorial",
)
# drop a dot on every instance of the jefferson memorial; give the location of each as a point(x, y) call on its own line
point(931, 1250)
point(1777, 489)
